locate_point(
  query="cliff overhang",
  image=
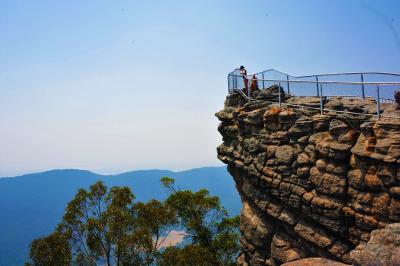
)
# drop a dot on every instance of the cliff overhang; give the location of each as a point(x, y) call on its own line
point(312, 185)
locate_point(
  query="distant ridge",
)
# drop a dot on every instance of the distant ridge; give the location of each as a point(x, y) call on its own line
point(75, 170)
point(64, 171)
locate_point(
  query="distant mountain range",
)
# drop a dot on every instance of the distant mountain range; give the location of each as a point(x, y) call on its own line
point(32, 205)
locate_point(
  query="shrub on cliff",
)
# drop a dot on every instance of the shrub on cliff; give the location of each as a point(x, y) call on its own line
point(107, 227)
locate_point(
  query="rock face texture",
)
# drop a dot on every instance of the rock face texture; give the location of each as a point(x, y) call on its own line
point(311, 185)
point(382, 249)
point(314, 262)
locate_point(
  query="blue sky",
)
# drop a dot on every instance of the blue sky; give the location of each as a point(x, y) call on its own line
point(119, 85)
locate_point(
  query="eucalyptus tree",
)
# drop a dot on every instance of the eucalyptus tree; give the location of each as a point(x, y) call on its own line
point(108, 227)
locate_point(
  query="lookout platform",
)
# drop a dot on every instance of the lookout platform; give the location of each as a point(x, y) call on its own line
point(353, 94)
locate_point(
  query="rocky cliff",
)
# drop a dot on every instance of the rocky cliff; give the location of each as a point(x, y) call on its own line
point(312, 185)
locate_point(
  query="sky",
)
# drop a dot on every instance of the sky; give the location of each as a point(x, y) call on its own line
point(114, 86)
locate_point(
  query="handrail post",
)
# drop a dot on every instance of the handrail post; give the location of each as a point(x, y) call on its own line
point(378, 104)
point(262, 75)
point(321, 104)
point(279, 94)
point(316, 78)
point(288, 86)
point(246, 81)
point(362, 86)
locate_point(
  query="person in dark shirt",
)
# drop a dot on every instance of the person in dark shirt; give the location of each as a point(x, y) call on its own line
point(243, 73)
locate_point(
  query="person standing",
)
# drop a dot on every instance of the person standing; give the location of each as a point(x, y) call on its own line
point(254, 84)
point(243, 73)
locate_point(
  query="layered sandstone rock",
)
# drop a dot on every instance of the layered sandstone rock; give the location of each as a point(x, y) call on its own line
point(312, 185)
point(314, 262)
point(382, 249)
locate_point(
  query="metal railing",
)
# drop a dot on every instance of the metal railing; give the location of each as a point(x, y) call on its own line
point(377, 86)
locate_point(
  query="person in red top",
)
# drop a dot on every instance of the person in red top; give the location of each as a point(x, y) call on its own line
point(254, 84)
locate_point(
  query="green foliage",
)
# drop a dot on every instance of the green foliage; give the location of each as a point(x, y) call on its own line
point(168, 182)
point(192, 254)
point(53, 249)
point(214, 236)
point(106, 227)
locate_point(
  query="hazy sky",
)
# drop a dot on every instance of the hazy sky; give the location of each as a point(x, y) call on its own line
point(119, 85)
